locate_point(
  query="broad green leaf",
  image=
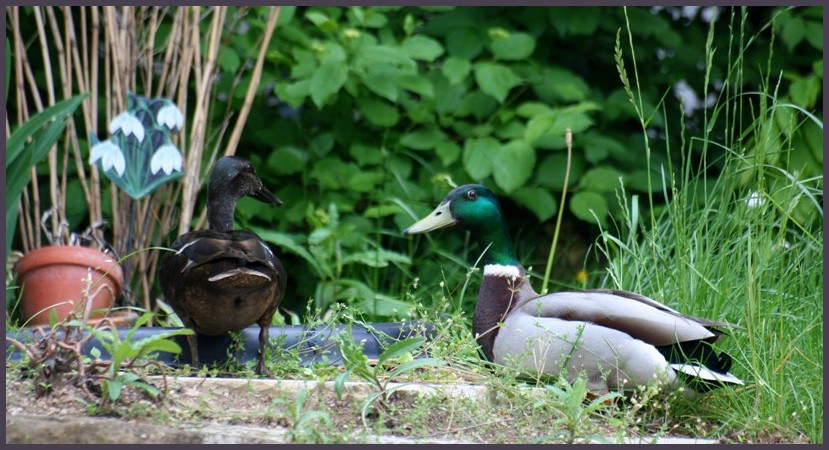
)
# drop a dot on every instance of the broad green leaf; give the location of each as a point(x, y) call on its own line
point(551, 171)
point(422, 47)
point(423, 139)
point(514, 47)
point(305, 64)
point(378, 112)
point(400, 347)
point(146, 387)
point(140, 322)
point(384, 305)
point(513, 129)
point(294, 94)
point(540, 201)
point(584, 21)
point(464, 43)
point(286, 14)
point(377, 258)
point(601, 179)
point(327, 80)
point(113, 388)
point(478, 157)
point(598, 147)
point(455, 69)
point(229, 60)
point(814, 34)
point(161, 341)
point(538, 126)
point(448, 97)
point(62, 109)
point(381, 82)
point(375, 20)
point(365, 181)
point(374, 212)
point(123, 352)
point(371, 55)
point(805, 91)
point(409, 24)
point(448, 152)
point(322, 21)
point(322, 143)
point(495, 80)
point(529, 110)
point(478, 104)
point(513, 165)
point(287, 242)
point(556, 85)
point(794, 30)
point(287, 160)
point(589, 206)
point(365, 154)
point(416, 84)
point(333, 173)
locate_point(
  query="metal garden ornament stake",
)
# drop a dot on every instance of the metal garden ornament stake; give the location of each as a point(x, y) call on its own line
point(139, 155)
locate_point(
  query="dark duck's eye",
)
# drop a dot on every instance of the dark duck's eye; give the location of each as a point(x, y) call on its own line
point(472, 195)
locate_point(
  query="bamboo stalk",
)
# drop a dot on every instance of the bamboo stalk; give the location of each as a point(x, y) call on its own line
point(92, 70)
point(169, 53)
point(204, 76)
point(69, 133)
point(79, 64)
point(24, 225)
point(50, 91)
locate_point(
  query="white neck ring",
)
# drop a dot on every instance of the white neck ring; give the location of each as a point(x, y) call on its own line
point(498, 270)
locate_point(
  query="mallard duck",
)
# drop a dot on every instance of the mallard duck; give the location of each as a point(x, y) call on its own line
point(220, 279)
point(618, 339)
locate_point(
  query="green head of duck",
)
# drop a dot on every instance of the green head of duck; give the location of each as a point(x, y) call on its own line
point(475, 208)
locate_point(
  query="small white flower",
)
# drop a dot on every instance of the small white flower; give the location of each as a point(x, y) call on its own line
point(754, 200)
point(171, 117)
point(129, 124)
point(166, 158)
point(110, 155)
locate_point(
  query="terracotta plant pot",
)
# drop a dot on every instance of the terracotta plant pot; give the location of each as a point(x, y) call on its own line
point(67, 278)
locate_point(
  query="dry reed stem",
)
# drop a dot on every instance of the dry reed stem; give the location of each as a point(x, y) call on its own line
point(81, 56)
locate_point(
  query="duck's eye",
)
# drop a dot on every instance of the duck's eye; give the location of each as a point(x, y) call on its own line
point(472, 195)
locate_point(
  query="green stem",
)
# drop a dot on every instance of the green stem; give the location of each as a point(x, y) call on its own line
point(569, 139)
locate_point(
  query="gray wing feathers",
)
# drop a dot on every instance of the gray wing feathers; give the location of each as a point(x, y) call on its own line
point(648, 320)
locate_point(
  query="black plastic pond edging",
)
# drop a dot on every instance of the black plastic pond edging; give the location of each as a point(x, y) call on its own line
point(315, 344)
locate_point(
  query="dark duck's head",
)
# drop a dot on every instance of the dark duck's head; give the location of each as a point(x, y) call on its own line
point(232, 178)
point(475, 208)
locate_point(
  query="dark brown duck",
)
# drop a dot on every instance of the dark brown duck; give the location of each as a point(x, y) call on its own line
point(220, 279)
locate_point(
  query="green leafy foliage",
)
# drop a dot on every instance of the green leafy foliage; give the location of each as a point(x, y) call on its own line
point(357, 365)
point(376, 110)
point(127, 353)
point(28, 145)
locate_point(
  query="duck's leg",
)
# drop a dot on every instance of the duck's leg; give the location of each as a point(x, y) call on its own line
point(264, 336)
point(194, 350)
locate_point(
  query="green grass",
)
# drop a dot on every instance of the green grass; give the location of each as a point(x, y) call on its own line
point(739, 239)
point(747, 248)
